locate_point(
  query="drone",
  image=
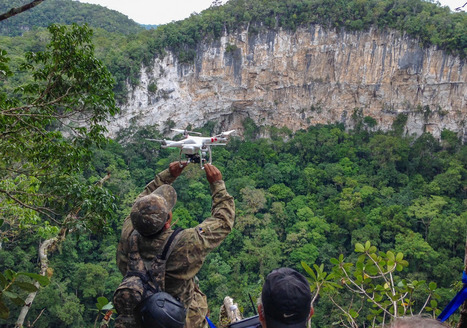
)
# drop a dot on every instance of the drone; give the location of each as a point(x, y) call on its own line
point(195, 147)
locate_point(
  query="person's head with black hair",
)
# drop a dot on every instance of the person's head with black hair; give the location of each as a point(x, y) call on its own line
point(285, 300)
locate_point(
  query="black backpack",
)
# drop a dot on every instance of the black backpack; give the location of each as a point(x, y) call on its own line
point(140, 284)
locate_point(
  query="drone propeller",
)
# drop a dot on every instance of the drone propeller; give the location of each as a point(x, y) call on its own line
point(225, 134)
point(186, 132)
point(163, 142)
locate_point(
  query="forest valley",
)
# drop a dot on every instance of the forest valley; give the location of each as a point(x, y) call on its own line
point(325, 198)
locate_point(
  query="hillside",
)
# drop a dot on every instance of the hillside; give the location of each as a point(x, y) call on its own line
point(384, 62)
point(65, 12)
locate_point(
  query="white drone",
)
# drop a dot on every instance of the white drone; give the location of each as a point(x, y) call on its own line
point(195, 147)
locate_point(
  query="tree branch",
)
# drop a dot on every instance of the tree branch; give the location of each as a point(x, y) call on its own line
point(15, 11)
point(37, 209)
point(459, 8)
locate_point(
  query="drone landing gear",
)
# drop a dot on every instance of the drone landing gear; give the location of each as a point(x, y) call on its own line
point(198, 158)
point(195, 159)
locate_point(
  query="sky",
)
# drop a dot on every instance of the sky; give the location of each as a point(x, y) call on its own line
point(156, 12)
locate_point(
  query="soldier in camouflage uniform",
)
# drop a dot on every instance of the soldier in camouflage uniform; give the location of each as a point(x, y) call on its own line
point(152, 218)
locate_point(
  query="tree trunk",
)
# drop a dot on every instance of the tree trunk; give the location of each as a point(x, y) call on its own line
point(48, 246)
point(463, 320)
point(43, 249)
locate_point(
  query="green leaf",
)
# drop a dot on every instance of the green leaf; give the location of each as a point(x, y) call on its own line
point(10, 274)
point(432, 286)
point(361, 258)
point(3, 281)
point(1, 222)
point(371, 269)
point(101, 302)
point(367, 245)
point(353, 313)
point(374, 256)
point(108, 306)
point(42, 280)
point(309, 270)
point(9, 294)
point(334, 261)
point(433, 303)
point(359, 278)
point(372, 249)
point(359, 248)
point(4, 311)
point(399, 257)
point(390, 256)
point(25, 286)
point(18, 301)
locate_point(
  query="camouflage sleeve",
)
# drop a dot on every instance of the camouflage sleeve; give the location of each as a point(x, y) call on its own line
point(196, 243)
point(160, 179)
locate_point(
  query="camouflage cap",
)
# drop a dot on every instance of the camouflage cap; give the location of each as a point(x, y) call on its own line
point(149, 213)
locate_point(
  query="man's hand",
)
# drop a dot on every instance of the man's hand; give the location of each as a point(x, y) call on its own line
point(212, 173)
point(176, 168)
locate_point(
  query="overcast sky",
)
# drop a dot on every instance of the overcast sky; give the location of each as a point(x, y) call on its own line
point(164, 11)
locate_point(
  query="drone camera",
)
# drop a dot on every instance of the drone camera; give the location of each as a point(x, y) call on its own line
point(195, 159)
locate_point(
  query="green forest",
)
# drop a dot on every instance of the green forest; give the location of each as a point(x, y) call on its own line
point(64, 12)
point(308, 199)
point(124, 45)
point(360, 212)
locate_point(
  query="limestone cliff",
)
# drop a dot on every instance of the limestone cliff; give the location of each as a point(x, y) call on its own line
point(301, 78)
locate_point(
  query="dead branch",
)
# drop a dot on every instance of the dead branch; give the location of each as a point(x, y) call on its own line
point(460, 8)
point(34, 322)
point(15, 11)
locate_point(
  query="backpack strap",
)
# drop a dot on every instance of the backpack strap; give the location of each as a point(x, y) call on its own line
point(168, 246)
point(154, 279)
point(157, 271)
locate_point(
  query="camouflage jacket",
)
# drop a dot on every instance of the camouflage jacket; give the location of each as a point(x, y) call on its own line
point(190, 250)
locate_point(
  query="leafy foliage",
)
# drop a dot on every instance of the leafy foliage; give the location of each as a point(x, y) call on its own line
point(11, 282)
point(309, 199)
point(41, 190)
point(375, 288)
point(38, 164)
point(65, 12)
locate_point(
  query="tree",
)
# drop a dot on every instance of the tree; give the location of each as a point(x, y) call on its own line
point(48, 127)
point(375, 278)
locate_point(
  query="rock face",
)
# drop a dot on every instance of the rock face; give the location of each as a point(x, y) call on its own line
point(297, 79)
